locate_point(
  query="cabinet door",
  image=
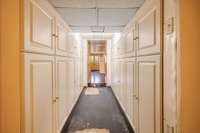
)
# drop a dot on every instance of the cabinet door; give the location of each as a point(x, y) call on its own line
point(61, 91)
point(132, 93)
point(130, 44)
point(39, 96)
point(149, 33)
point(71, 81)
point(120, 85)
point(118, 79)
point(123, 88)
point(39, 29)
point(149, 94)
point(62, 40)
point(114, 76)
point(76, 78)
point(71, 43)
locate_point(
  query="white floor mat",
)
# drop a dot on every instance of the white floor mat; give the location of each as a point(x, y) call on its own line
point(93, 131)
point(92, 91)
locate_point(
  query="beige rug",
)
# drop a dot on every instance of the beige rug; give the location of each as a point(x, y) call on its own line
point(93, 131)
point(92, 91)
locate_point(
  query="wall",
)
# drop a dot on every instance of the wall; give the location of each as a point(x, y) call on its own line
point(10, 66)
point(190, 80)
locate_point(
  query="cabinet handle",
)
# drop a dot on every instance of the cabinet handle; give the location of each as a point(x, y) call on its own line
point(136, 97)
point(57, 98)
point(170, 129)
point(54, 35)
point(136, 38)
point(54, 101)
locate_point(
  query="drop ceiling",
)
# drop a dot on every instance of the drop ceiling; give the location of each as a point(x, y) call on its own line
point(97, 15)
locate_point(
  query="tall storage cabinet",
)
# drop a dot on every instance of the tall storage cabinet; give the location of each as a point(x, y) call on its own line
point(62, 94)
point(140, 81)
point(39, 93)
point(51, 67)
point(149, 94)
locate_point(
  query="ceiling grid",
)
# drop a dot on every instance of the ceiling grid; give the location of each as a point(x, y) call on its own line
point(97, 15)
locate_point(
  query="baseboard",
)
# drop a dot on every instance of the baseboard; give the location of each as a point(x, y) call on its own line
point(122, 110)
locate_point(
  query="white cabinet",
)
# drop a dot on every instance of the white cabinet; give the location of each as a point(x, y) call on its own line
point(123, 85)
point(39, 97)
point(77, 77)
point(149, 33)
point(139, 80)
point(62, 94)
point(39, 29)
point(149, 94)
point(71, 80)
point(51, 76)
point(132, 93)
point(62, 35)
point(130, 43)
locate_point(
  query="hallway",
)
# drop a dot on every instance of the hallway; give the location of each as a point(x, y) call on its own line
point(145, 53)
point(97, 111)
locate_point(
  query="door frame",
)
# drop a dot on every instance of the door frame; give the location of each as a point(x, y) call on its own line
point(11, 66)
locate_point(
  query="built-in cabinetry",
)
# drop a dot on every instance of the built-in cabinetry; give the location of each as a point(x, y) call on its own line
point(52, 80)
point(136, 69)
point(40, 99)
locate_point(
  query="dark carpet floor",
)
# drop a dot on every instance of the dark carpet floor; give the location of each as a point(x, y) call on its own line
point(100, 111)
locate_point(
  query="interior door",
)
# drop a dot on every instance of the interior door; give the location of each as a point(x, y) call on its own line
point(149, 94)
point(39, 96)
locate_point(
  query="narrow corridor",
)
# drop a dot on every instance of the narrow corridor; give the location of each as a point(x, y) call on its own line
point(97, 111)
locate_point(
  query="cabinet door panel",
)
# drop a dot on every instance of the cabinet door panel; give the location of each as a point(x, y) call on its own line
point(124, 88)
point(62, 40)
point(71, 80)
point(149, 95)
point(61, 90)
point(76, 78)
point(132, 93)
point(130, 43)
point(149, 33)
point(39, 86)
point(39, 29)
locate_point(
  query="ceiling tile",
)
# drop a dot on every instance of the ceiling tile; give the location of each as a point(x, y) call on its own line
point(73, 3)
point(119, 3)
point(79, 17)
point(115, 17)
point(113, 29)
point(81, 29)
